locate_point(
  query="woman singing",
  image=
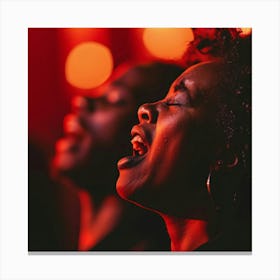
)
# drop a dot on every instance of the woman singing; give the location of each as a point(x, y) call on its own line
point(191, 159)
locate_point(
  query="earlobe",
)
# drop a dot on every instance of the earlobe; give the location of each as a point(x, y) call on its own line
point(208, 183)
point(227, 159)
point(218, 183)
point(233, 163)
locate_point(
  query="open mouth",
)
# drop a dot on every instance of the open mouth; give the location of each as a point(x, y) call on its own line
point(140, 148)
point(73, 136)
point(73, 128)
point(67, 144)
point(74, 131)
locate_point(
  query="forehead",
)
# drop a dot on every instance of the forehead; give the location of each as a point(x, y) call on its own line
point(129, 83)
point(115, 92)
point(131, 78)
point(202, 76)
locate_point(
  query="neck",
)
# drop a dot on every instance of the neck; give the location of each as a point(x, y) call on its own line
point(186, 234)
point(97, 221)
point(98, 184)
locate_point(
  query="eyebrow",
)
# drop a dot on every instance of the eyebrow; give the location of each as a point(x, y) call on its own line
point(196, 98)
point(182, 87)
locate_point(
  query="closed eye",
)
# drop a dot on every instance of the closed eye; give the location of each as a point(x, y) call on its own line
point(182, 95)
point(171, 102)
point(180, 98)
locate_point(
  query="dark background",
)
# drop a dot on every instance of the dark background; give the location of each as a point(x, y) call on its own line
point(49, 93)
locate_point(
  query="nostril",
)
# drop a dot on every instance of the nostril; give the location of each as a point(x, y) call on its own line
point(147, 113)
point(145, 116)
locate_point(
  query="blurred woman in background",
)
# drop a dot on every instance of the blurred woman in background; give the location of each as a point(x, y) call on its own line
point(95, 138)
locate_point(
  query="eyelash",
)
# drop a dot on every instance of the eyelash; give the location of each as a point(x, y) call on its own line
point(171, 103)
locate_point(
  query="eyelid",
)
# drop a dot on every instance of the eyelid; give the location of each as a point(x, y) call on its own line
point(180, 98)
point(172, 101)
point(181, 87)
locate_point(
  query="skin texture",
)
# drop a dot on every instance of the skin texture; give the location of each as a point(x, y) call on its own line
point(182, 141)
point(192, 156)
point(96, 131)
point(175, 144)
point(95, 137)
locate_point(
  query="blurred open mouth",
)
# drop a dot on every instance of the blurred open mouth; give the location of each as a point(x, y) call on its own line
point(73, 136)
point(140, 148)
point(67, 144)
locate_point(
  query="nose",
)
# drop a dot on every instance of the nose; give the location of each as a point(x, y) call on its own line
point(148, 113)
point(81, 104)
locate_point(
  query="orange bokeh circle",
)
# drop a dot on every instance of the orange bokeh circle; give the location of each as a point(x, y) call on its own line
point(245, 32)
point(88, 65)
point(167, 43)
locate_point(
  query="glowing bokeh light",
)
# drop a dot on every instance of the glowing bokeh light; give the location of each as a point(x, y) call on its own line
point(88, 65)
point(245, 31)
point(167, 43)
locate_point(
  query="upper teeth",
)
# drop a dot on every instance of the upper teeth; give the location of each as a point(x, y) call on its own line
point(138, 145)
point(137, 138)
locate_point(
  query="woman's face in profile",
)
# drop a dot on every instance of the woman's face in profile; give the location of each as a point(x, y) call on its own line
point(96, 126)
point(173, 145)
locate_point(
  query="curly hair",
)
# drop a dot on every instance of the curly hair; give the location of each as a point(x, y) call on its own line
point(235, 50)
point(236, 98)
point(210, 43)
point(234, 119)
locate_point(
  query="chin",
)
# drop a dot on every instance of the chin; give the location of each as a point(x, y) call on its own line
point(136, 192)
point(62, 164)
point(123, 189)
point(125, 193)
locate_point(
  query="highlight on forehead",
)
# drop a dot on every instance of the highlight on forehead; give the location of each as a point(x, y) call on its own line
point(202, 75)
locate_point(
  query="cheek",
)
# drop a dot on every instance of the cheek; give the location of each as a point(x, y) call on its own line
point(180, 150)
point(169, 155)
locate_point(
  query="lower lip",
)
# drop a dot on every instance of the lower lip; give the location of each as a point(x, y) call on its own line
point(130, 161)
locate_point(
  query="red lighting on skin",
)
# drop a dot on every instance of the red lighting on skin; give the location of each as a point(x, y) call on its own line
point(88, 65)
point(167, 43)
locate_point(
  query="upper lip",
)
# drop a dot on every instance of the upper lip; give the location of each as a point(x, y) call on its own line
point(138, 130)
